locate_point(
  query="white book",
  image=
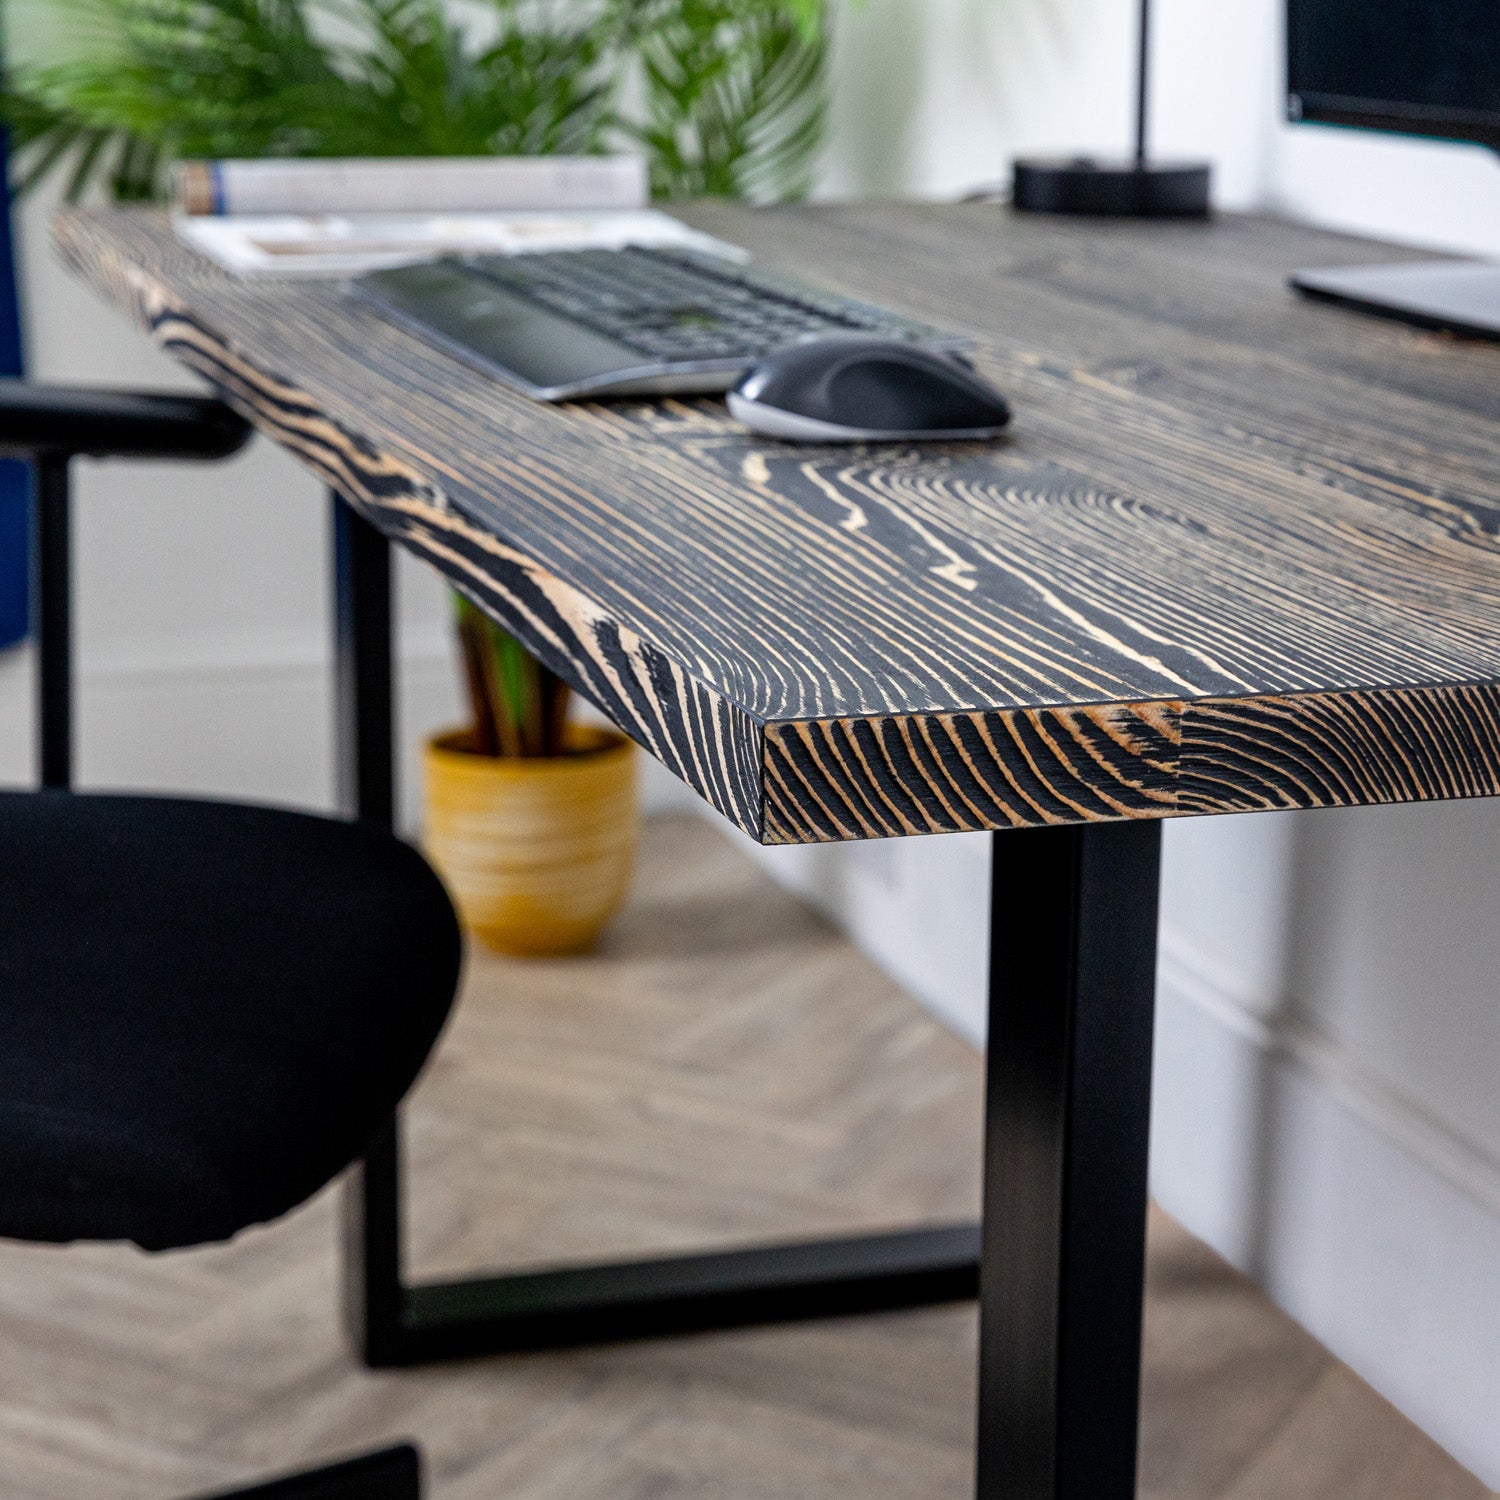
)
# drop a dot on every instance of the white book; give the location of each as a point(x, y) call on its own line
point(432, 185)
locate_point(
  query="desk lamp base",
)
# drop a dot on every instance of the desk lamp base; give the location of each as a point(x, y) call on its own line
point(1129, 189)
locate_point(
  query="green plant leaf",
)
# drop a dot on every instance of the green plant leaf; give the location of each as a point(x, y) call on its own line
point(732, 95)
point(251, 78)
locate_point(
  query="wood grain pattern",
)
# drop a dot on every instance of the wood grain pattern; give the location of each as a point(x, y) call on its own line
point(727, 1068)
point(1241, 551)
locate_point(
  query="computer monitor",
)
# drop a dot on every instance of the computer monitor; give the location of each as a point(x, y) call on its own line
point(1419, 67)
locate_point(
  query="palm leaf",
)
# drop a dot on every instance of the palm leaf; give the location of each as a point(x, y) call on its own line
point(155, 80)
point(733, 95)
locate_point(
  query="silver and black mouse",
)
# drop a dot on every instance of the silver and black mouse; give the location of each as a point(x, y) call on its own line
point(847, 388)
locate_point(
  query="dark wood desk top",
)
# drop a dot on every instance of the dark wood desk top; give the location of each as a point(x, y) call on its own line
point(1240, 552)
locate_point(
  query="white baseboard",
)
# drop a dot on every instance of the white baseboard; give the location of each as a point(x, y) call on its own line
point(247, 717)
point(1375, 1226)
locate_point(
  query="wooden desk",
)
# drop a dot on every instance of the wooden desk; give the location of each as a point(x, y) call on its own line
point(1240, 553)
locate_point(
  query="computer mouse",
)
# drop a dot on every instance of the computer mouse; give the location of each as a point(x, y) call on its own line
point(850, 388)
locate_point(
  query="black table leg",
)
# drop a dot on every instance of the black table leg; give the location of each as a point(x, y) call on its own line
point(364, 748)
point(1073, 945)
point(1072, 992)
point(393, 1323)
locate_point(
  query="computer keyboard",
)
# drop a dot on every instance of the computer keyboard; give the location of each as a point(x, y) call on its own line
point(678, 304)
point(567, 323)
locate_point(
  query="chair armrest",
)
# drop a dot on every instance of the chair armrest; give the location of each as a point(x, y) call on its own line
point(62, 421)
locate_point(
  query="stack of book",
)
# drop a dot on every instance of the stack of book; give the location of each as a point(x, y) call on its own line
point(344, 217)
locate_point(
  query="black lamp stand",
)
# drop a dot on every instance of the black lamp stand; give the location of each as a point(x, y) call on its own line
point(1136, 188)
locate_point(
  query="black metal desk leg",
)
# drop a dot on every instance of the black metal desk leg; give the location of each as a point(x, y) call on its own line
point(1072, 991)
point(365, 728)
point(393, 1323)
point(364, 748)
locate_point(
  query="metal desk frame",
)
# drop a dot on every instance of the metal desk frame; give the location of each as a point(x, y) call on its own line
point(1059, 1260)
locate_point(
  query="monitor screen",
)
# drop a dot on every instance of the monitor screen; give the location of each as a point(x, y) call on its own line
point(1423, 67)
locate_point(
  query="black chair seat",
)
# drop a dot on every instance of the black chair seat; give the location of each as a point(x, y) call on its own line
point(207, 1010)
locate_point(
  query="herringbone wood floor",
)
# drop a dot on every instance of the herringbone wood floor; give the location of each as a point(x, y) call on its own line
point(725, 1067)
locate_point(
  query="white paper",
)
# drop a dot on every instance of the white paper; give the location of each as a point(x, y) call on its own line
point(348, 244)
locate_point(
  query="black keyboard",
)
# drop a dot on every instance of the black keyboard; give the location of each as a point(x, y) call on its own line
point(682, 305)
point(561, 324)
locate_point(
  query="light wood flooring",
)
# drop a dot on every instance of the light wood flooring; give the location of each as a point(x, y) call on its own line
point(725, 1067)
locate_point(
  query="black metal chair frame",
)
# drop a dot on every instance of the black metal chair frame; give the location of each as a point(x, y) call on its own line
point(50, 426)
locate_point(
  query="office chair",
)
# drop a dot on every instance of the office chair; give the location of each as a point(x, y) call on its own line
point(207, 1009)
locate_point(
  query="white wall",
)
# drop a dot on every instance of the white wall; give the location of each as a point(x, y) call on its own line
point(201, 606)
point(1329, 1026)
point(934, 97)
point(1326, 1112)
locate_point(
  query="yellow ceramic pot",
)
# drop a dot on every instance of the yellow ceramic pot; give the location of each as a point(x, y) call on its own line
point(537, 854)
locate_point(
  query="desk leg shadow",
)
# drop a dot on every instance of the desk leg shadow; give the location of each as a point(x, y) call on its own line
point(1059, 1262)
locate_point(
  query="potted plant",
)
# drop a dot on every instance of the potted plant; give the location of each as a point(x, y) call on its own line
point(724, 97)
point(531, 818)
